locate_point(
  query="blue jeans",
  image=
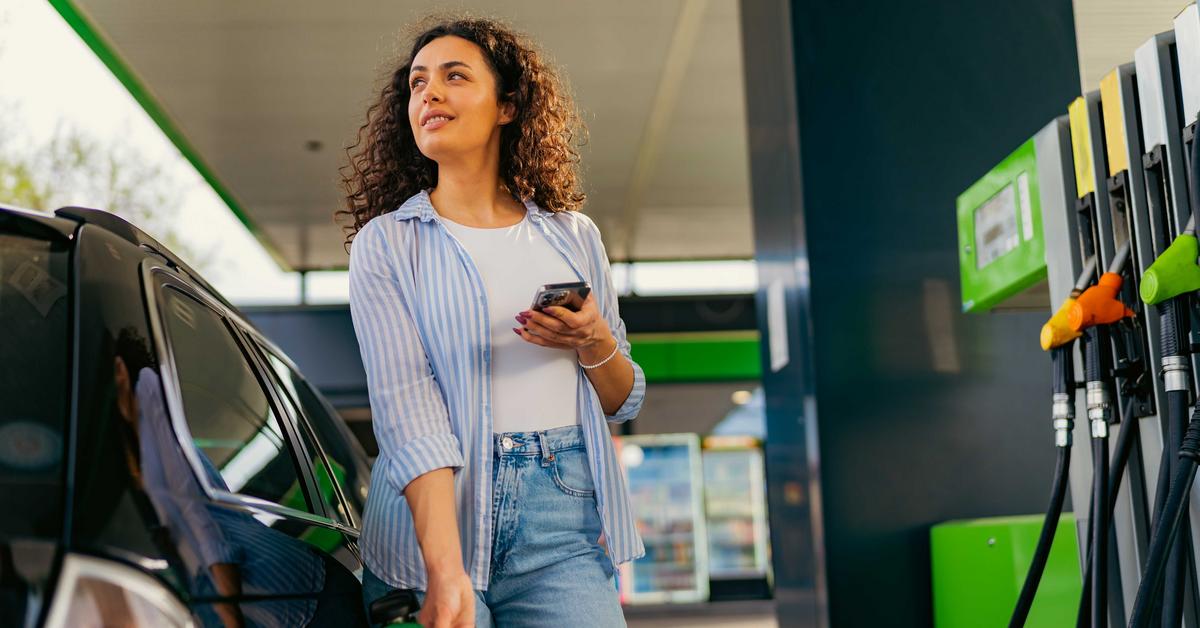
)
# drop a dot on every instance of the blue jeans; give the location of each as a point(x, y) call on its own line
point(548, 568)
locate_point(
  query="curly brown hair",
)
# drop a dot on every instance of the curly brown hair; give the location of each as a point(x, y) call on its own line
point(538, 156)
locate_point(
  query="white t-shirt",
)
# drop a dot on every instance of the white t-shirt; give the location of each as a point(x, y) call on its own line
point(533, 387)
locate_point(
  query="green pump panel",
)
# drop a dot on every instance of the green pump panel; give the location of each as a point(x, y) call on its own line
point(979, 565)
point(1002, 252)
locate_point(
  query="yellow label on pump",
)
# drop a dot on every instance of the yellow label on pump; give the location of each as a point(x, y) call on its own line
point(1081, 148)
point(1114, 123)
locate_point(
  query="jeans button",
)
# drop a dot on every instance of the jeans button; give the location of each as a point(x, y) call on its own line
point(506, 442)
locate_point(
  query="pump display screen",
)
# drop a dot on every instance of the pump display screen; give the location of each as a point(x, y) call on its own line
point(996, 230)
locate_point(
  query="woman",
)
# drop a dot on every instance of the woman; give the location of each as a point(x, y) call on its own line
point(496, 479)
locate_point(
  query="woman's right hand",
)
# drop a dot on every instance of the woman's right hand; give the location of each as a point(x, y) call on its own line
point(449, 596)
point(449, 601)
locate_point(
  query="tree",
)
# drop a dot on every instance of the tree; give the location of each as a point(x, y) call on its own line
point(74, 168)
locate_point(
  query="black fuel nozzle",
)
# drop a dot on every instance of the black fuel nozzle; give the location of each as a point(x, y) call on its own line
point(397, 608)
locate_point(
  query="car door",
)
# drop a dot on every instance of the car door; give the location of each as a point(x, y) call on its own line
point(246, 519)
point(341, 470)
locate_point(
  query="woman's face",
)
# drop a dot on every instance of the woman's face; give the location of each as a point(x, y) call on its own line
point(450, 76)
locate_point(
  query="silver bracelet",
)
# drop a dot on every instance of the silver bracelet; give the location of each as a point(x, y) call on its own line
point(601, 362)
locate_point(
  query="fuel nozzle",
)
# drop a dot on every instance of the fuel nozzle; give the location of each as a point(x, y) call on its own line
point(1099, 305)
point(1058, 331)
point(1174, 272)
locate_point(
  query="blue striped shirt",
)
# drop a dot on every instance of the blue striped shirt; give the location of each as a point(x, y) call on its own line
point(420, 315)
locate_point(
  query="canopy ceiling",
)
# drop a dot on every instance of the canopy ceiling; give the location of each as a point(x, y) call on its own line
point(246, 88)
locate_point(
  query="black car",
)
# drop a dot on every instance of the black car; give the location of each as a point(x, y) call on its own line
point(161, 462)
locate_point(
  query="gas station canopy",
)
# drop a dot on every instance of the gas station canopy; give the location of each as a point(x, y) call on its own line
point(263, 96)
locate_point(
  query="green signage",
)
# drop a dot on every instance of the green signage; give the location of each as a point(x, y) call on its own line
point(1002, 252)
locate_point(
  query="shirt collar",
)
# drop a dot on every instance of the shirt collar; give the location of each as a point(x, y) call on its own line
point(419, 206)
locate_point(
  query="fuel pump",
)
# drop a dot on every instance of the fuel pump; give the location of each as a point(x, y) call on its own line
point(1129, 220)
point(1136, 341)
point(999, 220)
point(1167, 286)
point(1098, 313)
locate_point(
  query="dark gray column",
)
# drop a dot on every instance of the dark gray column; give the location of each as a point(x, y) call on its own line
point(894, 412)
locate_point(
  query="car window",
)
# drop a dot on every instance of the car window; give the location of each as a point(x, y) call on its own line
point(34, 384)
point(320, 424)
point(233, 425)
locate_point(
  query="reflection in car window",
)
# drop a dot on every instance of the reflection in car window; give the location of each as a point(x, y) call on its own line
point(233, 552)
point(34, 317)
point(231, 421)
point(322, 427)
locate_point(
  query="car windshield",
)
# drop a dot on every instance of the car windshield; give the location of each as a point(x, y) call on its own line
point(34, 382)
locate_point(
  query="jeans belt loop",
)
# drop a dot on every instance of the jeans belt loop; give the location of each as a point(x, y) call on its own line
point(547, 455)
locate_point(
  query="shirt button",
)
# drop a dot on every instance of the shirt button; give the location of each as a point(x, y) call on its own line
point(506, 442)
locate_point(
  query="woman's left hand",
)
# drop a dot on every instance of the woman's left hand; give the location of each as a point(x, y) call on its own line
point(559, 328)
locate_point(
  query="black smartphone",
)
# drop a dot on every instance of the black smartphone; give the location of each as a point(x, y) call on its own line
point(568, 295)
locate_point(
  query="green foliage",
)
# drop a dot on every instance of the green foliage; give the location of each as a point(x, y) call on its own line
point(74, 168)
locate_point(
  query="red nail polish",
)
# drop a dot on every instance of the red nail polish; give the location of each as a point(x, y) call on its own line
point(516, 331)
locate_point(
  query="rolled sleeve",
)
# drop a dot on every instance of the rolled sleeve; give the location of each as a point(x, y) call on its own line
point(408, 410)
point(633, 403)
point(427, 453)
point(608, 308)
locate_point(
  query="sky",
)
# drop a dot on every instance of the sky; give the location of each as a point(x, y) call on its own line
point(68, 83)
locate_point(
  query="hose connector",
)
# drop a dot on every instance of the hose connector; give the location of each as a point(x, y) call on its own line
point(1062, 408)
point(1174, 272)
point(1099, 305)
point(1063, 429)
point(1057, 331)
point(1062, 411)
point(1099, 407)
point(1176, 373)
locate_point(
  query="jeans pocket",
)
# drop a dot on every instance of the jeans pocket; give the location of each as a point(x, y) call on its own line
point(571, 472)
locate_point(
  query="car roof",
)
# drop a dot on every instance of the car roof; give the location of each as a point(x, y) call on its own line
point(66, 220)
point(42, 223)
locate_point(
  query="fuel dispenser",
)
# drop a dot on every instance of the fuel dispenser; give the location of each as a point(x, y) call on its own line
point(1126, 191)
point(1172, 182)
point(1165, 288)
point(1126, 182)
point(1114, 348)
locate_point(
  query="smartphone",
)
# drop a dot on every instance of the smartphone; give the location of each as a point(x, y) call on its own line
point(568, 295)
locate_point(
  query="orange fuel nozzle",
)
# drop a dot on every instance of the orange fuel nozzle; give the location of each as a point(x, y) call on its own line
point(1057, 331)
point(1099, 305)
